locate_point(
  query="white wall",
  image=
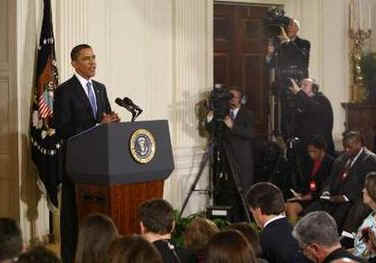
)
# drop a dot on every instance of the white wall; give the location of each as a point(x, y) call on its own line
point(159, 53)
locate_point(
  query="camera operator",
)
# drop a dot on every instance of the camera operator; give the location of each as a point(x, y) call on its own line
point(314, 114)
point(292, 52)
point(237, 135)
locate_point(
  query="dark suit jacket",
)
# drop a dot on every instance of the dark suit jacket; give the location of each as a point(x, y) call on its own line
point(341, 253)
point(239, 139)
point(72, 110)
point(314, 115)
point(278, 244)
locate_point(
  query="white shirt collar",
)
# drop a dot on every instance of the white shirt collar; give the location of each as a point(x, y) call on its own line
point(274, 219)
point(235, 111)
point(83, 81)
point(357, 156)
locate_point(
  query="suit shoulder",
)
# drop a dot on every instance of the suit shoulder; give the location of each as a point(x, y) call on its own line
point(98, 84)
point(66, 85)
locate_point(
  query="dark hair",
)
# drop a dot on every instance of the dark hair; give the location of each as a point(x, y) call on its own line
point(76, 51)
point(198, 233)
point(157, 216)
point(352, 136)
point(133, 249)
point(250, 234)
point(318, 142)
point(38, 254)
point(267, 197)
point(10, 239)
point(370, 185)
point(237, 89)
point(230, 246)
point(96, 233)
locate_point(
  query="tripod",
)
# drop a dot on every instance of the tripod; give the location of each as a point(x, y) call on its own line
point(234, 170)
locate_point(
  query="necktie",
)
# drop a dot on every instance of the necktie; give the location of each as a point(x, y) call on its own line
point(91, 96)
point(232, 115)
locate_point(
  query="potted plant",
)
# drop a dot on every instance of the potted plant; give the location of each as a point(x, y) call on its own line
point(368, 69)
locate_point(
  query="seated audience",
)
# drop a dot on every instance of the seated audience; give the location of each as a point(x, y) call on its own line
point(133, 249)
point(267, 205)
point(10, 240)
point(157, 222)
point(197, 236)
point(38, 254)
point(316, 172)
point(230, 247)
point(341, 196)
point(252, 237)
point(318, 238)
point(96, 233)
point(368, 227)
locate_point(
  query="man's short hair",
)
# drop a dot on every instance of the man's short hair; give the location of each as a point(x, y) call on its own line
point(39, 254)
point(318, 141)
point(353, 135)
point(267, 197)
point(76, 51)
point(316, 227)
point(157, 216)
point(10, 239)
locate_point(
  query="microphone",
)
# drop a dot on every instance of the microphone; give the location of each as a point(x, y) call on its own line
point(129, 108)
point(129, 102)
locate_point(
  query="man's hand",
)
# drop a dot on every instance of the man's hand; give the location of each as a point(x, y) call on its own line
point(283, 36)
point(210, 116)
point(228, 121)
point(294, 88)
point(337, 199)
point(108, 118)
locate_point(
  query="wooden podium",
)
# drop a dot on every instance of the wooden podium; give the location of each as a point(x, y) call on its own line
point(111, 177)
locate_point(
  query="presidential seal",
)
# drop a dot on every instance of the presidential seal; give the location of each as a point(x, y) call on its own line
point(142, 146)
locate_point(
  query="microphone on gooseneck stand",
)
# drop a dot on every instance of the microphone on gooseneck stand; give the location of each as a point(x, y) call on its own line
point(136, 108)
point(129, 108)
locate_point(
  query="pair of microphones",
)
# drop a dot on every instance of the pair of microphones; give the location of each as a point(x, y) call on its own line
point(130, 106)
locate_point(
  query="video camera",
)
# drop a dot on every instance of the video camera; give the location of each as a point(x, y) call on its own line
point(219, 101)
point(274, 20)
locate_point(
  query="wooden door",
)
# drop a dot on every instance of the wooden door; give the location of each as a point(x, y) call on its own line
point(239, 55)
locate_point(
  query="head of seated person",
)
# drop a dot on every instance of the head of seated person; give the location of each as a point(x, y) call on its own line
point(230, 246)
point(250, 234)
point(133, 249)
point(317, 147)
point(198, 233)
point(11, 244)
point(39, 254)
point(96, 233)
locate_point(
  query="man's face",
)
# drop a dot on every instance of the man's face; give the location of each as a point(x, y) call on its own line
point(352, 147)
point(85, 63)
point(235, 101)
point(292, 29)
point(306, 86)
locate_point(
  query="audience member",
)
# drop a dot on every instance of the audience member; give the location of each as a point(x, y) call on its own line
point(316, 173)
point(157, 222)
point(252, 237)
point(362, 238)
point(197, 236)
point(267, 205)
point(96, 233)
point(10, 240)
point(318, 238)
point(38, 254)
point(133, 249)
point(230, 247)
point(341, 196)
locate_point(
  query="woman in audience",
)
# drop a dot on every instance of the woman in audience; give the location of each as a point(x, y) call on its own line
point(230, 247)
point(133, 249)
point(197, 236)
point(316, 173)
point(252, 237)
point(95, 235)
point(364, 240)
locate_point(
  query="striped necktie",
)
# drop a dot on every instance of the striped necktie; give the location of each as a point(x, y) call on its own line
point(91, 96)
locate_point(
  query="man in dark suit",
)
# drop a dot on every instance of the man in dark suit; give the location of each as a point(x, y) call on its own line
point(267, 205)
point(317, 236)
point(342, 195)
point(237, 145)
point(80, 103)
